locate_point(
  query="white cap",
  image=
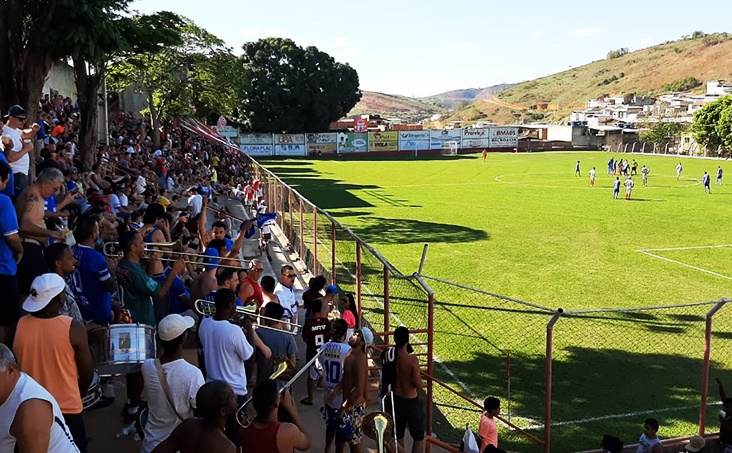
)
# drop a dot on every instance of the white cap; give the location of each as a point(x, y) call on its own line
point(367, 335)
point(173, 326)
point(44, 288)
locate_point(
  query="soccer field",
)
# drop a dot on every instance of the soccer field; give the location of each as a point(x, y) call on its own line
point(524, 226)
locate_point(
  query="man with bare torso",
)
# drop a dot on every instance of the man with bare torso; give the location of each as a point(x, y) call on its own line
point(400, 374)
point(32, 227)
point(355, 392)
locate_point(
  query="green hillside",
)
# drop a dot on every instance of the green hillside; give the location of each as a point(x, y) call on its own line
point(648, 71)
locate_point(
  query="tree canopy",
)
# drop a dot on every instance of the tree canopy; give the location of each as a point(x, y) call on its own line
point(713, 124)
point(287, 88)
point(663, 131)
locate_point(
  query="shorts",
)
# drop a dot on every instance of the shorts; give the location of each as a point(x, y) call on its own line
point(313, 372)
point(408, 412)
point(350, 429)
point(31, 266)
point(267, 237)
point(10, 305)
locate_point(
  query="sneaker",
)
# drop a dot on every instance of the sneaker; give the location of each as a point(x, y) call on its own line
point(104, 401)
point(129, 417)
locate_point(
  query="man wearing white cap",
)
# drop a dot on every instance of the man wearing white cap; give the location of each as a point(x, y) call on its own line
point(54, 351)
point(171, 383)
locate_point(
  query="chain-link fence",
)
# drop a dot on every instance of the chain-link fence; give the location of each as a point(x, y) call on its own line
point(564, 378)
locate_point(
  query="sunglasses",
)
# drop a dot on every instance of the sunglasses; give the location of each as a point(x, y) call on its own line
point(290, 275)
point(21, 118)
point(257, 269)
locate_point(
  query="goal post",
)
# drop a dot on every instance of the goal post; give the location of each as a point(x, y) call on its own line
point(450, 148)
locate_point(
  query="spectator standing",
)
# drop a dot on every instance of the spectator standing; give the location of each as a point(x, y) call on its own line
point(30, 418)
point(11, 251)
point(173, 401)
point(649, 441)
point(53, 350)
point(285, 291)
point(23, 144)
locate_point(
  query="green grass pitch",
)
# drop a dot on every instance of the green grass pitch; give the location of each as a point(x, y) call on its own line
point(524, 226)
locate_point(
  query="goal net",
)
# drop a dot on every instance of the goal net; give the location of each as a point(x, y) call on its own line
point(450, 149)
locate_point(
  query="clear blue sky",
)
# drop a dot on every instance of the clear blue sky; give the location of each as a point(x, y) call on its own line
point(428, 47)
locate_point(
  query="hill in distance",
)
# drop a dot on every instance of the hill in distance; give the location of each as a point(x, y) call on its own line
point(650, 71)
point(390, 105)
point(452, 99)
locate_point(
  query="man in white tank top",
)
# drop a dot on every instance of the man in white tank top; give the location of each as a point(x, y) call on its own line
point(29, 416)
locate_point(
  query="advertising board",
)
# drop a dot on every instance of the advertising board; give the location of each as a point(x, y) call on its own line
point(353, 142)
point(257, 150)
point(504, 137)
point(325, 143)
point(289, 139)
point(255, 139)
point(383, 141)
point(476, 138)
point(414, 140)
point(290, 150)
point(442, 139)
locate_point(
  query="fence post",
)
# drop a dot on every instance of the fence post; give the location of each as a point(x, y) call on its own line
point(548, 384)
point(289, 208)
point(333, 253)
point(358, 278)
point(282, 208)
point(302, 230)
point(386, 304)
point(430, 360)
point(705, 370)
point(315, 242)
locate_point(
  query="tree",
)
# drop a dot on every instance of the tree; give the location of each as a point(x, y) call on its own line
point(165, 75)
point(713, 122)
point(663, 131)
point(113, 38)
point(290, 89)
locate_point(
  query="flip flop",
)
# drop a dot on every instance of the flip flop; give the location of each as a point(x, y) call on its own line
point(305, 402)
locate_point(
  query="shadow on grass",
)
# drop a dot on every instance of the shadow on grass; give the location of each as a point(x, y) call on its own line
point(595, 391)
point(379, 230)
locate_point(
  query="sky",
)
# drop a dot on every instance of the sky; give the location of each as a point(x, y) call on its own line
point(429, 47)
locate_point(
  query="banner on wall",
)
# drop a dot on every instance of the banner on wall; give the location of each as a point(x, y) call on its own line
point(290, 150)
point(504, 137)
point(476, 138)
point(255, 139)
point(289, 139)
point(383, 141)
point(442, 139)
point(257, 150)
point(228, 131)
point(326, 143)
point(353, 142)
point(414, 140)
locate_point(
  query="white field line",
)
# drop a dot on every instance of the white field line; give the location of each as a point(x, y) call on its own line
point(693, 247)
point(615, 416)
point(399, 321)
point(663, 258)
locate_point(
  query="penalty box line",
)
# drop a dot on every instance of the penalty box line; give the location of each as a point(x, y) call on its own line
point(681, 263)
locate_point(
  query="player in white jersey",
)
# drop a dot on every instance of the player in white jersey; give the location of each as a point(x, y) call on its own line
point(629, 184)
point(679, 169)
point(644, 174)
point(330, 364)
point(592, 177)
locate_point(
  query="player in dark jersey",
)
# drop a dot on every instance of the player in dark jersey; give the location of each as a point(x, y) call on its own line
point(315, 332)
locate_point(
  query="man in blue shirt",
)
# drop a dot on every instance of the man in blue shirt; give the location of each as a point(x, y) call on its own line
point(11, 250)
point(177, 300)
point(92, 282)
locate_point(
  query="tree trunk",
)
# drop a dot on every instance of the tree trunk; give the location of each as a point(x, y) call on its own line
point(154, 122)
point(87, 87)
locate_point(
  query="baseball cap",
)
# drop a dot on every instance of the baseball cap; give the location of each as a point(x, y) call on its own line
point(367, 335)
point(44, 288)
point(695, 444)
point(331, 289)
point(16, 111)
point(173, 326)
point(212, 260)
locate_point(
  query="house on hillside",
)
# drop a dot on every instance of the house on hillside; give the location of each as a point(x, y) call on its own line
point(719, 87)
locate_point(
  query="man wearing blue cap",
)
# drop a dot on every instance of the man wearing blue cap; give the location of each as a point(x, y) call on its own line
point(22, 145)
